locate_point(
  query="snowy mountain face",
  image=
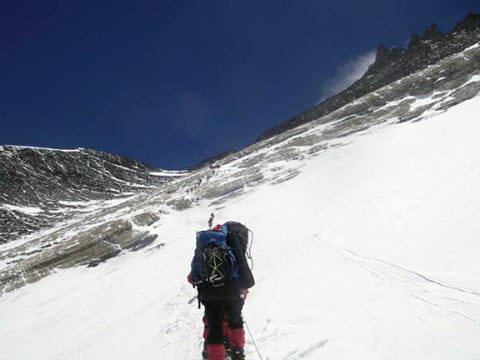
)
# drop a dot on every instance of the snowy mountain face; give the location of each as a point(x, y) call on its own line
point(41, 187)
point(366, 240)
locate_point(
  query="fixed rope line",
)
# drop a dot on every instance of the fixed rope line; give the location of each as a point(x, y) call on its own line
point(253, 340)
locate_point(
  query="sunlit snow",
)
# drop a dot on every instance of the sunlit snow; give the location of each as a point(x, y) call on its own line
point(371, 253)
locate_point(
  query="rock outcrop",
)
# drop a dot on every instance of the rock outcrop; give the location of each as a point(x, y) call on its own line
point(41, 187)
point(391, 65)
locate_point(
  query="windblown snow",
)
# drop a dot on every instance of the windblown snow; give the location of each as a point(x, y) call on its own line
point(371, 253)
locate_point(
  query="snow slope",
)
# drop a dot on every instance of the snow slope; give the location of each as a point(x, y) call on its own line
point(369, 254)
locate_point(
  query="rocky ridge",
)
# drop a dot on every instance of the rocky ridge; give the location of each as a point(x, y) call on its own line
point(41, 187)
point(393, 64)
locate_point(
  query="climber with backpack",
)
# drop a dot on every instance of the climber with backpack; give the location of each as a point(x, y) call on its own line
point(222, 276)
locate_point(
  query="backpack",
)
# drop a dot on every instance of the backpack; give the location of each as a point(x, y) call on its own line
point(214, 264)
point(241, 232)
point(220, 259)
point(237, 240)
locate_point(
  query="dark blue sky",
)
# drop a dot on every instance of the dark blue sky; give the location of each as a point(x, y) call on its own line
point(171, 82)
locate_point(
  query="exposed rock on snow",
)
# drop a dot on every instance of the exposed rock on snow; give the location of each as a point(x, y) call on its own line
point(145, 219)
point(63, 183)
point(90, 248)
point(394, 64)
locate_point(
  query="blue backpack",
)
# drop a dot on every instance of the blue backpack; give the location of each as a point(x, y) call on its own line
point(214, 264)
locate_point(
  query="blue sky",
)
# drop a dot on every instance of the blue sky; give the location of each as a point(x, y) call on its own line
point(171, 82)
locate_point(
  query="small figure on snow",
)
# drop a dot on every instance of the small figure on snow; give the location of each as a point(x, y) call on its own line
point(222, 276)
point(210, 221)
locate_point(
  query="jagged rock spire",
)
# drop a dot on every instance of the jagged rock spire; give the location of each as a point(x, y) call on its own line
point(392, 64)
point(385, 56)
point(432, 33)
point(471, 22)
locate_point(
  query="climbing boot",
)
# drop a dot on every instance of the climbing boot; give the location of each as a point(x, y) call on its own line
point(237, 353)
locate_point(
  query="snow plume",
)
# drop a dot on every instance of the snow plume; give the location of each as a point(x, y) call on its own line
point(347, 74)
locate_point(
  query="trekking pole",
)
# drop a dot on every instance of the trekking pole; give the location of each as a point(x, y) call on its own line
point(253, 340)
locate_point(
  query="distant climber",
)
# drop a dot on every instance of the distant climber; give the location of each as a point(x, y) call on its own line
point(220, 272)
point(210, 221)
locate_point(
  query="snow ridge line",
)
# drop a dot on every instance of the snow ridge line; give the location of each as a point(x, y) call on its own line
point(441, 307)
point(412, 272)
point(445, 297)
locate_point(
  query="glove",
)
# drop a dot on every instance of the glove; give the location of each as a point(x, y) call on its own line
point(190, 280)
